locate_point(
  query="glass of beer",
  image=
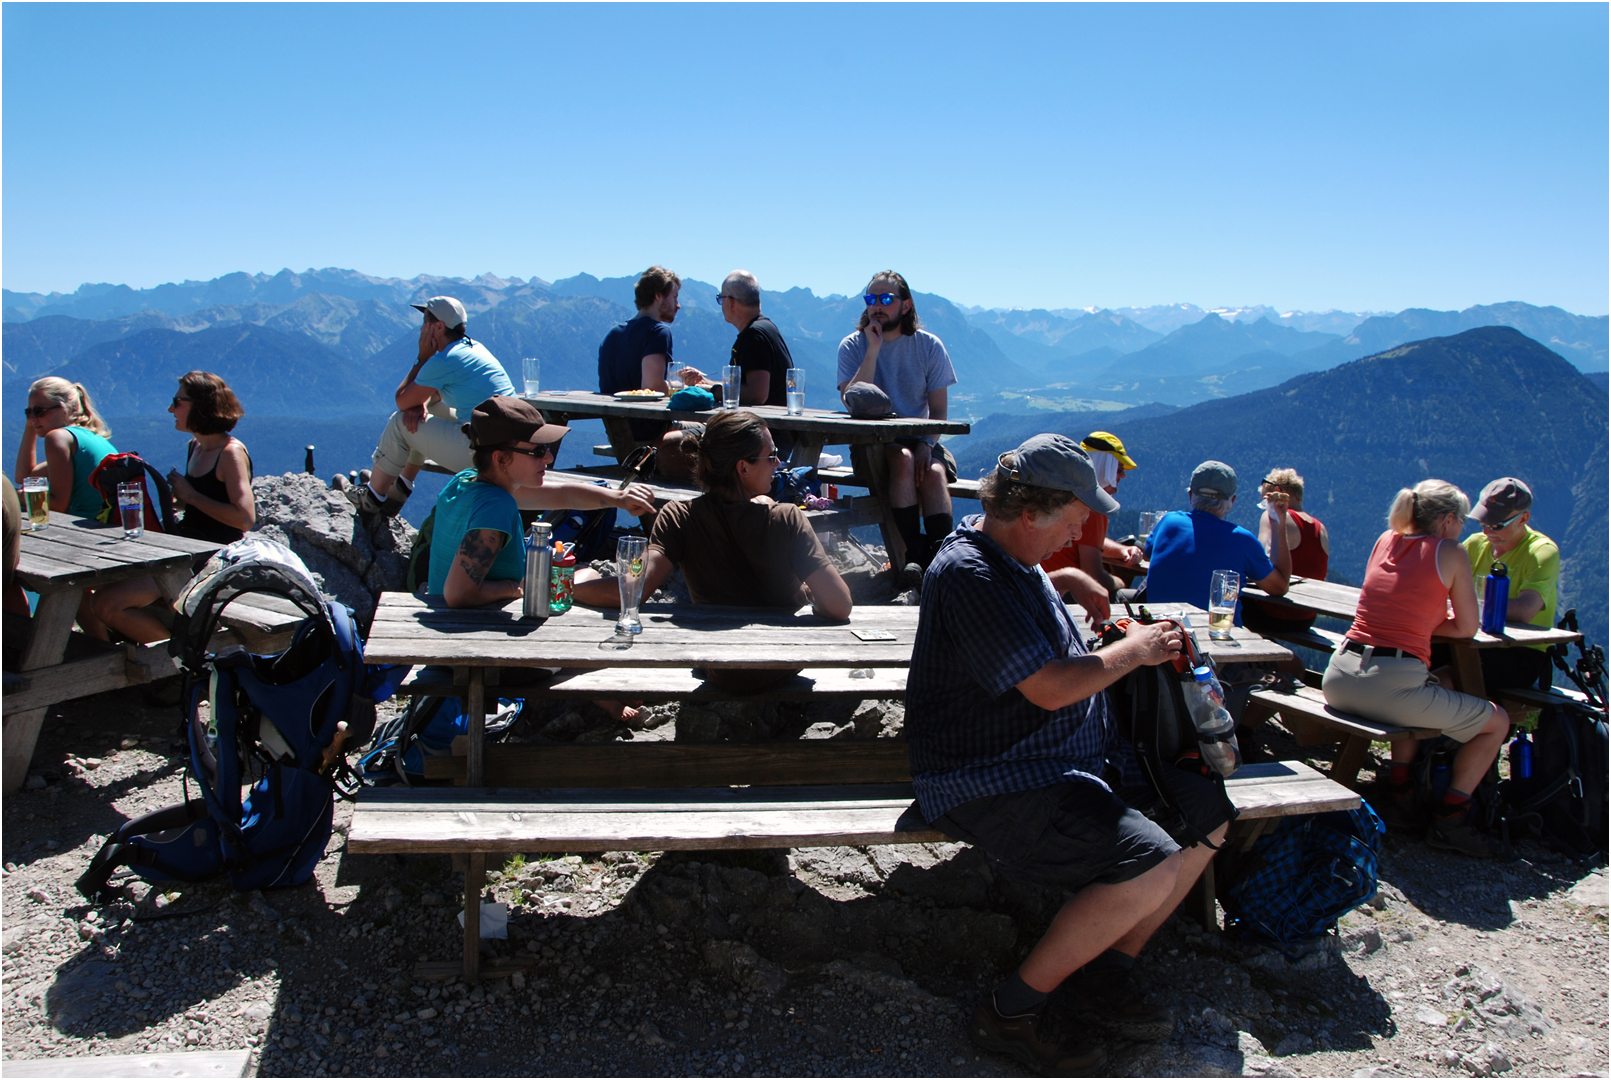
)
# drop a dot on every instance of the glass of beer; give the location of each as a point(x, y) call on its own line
point(131, 508)
point(794, 395)
point(1149, 522)
point(36, 501)
point(1223, 593)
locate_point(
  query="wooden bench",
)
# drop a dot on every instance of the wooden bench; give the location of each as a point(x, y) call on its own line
point(1304, 711)
point(671, 684)
point(682, 797)
point(847, 514)
point(844, 474)
point(1321, 641)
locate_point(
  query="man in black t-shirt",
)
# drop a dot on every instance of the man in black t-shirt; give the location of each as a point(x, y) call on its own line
point(636, 355)
point(759, 349)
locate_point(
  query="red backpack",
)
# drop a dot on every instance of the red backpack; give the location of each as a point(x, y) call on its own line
point(115, 469)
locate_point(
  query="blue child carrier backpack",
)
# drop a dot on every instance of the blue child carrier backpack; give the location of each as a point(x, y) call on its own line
point(274, 725)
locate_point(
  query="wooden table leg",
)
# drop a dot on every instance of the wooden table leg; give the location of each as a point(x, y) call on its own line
point(52, 623)
point(475, 878)
point(871, 462)
point(475, 708)
point(1350, 756)
point(1467, 662)
point(807, 450)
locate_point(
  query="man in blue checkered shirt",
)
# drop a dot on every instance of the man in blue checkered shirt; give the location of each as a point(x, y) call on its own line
point(1014, 750)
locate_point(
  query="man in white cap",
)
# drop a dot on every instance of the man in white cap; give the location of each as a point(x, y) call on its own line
point(452, 375)
point(1015, 749)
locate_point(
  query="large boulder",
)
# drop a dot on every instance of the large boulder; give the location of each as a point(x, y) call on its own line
point(352, 560)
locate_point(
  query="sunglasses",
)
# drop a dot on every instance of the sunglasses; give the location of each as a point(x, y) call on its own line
point(177, 401)
point(772, 457)
point(1503, 525)
point(40, 410)
point(885, 299)
point(539, 451)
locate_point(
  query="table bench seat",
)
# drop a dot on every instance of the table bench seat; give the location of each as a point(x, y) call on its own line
point(1304, 710)
point(671, 684)
point(849, 514)
point(683, 798)
point(844, 474)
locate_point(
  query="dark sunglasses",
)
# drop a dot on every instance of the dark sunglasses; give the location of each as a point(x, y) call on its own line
point(39, 410)
point(540, 451)
point(176, 401)
point(886, 298)
point(1503, 525)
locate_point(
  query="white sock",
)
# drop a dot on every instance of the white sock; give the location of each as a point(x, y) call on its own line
point(378, 496)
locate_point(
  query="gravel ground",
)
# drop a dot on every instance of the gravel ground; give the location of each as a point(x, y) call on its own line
point(818, 962)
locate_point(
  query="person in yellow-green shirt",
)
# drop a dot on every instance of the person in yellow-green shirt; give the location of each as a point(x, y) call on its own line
point(1534, 565)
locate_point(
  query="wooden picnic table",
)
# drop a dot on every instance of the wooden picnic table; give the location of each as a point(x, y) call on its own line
point(424, 630)
point(1342, 602)
point(60, 563)
point(811, 430)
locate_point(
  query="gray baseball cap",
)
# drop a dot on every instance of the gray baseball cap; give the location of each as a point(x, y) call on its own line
point(1057, 462)
point(1214, 479)
point(865, 401)
point(449, 310)
point(1502, 500)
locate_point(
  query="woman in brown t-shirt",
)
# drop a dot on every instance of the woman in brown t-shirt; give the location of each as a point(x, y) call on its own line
point(734, 544)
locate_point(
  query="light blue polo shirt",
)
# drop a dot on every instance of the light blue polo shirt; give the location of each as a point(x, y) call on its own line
point(465, 374)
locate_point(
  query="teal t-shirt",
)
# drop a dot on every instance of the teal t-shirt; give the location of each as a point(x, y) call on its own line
point(467, 504)
point(85, 500)
point(465, 374)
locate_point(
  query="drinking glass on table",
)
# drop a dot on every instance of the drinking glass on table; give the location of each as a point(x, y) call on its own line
point(533, 369)
point(732, 379)
point(35, 502)
point(131, 508)
point(629, 552)
point(1149, 522)
point(794, 395)
point(1223, 593)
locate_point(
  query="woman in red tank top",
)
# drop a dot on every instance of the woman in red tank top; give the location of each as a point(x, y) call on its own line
point(1416, 573)
point(1306, 540)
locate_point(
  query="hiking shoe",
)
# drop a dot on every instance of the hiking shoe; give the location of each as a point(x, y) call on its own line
point(911, 577)
point(1025, 1039)
point(1112, 1001)
point(362, 496)
point(1400, 811)
point(1455, 833)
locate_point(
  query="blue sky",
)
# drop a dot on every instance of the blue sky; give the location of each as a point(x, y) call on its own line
point(1315, 156)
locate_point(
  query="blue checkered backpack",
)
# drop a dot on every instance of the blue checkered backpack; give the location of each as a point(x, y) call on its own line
point(271, 726)
point(1304, 875)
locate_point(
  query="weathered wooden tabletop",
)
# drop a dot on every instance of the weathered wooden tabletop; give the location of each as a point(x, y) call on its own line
point(78, 553)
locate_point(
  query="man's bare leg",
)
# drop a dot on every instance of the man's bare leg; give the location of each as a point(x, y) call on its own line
point(1094, 919)
point(1193, 860)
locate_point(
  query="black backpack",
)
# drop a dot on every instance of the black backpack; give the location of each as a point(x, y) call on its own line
point(1564, 801)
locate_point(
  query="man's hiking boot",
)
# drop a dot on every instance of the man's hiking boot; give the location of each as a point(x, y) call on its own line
point(369, 505)
point(1111, 1000)
point(1456, 833)
point(1025, 1039)
point(910, 577)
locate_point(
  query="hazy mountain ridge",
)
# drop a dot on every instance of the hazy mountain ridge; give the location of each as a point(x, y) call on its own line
point(1467, 408)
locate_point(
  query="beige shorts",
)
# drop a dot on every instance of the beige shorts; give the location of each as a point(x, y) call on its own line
point(1400, 690)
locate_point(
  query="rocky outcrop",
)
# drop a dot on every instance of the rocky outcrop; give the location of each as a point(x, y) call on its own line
point(353, 562)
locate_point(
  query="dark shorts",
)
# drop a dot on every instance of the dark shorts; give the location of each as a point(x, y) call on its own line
point(1076, 834)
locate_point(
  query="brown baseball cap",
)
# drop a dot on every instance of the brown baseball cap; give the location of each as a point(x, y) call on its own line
point(501, 420)
point(1502, 500)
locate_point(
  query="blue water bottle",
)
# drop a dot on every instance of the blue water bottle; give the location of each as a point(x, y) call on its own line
point(1521, 757)
point(1496, 600)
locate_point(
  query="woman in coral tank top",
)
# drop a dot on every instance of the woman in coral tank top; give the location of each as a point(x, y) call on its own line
point(1416, 571)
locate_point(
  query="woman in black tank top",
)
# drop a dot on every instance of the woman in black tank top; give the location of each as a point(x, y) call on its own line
point(214, 494)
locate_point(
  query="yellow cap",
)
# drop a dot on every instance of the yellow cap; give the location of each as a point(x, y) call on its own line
point(1101, 440)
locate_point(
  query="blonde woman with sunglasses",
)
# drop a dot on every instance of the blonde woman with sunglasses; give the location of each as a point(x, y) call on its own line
point(75, 437)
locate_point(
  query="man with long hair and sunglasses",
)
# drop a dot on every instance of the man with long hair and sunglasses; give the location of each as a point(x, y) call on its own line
point(891, 351)
point(1504, 511)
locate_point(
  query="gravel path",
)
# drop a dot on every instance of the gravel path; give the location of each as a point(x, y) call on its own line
point(820, 962)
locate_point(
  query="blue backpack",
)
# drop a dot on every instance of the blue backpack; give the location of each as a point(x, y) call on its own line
point(273, 725)
point(1305, 874)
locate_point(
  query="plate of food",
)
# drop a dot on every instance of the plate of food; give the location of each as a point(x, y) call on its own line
point(639, 395)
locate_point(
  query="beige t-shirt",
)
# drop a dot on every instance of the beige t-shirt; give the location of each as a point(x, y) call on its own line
point(740, 553)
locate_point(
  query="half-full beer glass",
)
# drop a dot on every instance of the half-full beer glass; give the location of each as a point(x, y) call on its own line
point(35, 502)
point(1223, 592)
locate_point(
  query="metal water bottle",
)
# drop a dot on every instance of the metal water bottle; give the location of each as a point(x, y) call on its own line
point(1496, 599)
point(539, 569)
point(1521, 757)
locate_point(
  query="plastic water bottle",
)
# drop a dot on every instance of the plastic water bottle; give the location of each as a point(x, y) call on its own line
point(538, 586)
point(1496, 600)
point(1521, 757)
point(1216, 730)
